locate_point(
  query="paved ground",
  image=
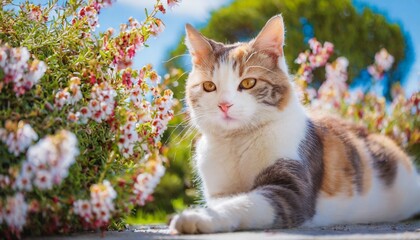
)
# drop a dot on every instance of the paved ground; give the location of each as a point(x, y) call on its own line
point(405, 230)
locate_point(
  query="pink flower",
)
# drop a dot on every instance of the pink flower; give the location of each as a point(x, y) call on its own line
point(100, 206)
point(173, 3)
point(85, 114)
point(15, 212)
point(83, 208)
point(61, 98)
point(73, 117)
point(301, 58)
point(146, 183)
point(18, 137)
point(383, 63)
point(157, 27)
point(35, 13)
point(18, 70)
point(51, 158)
point(384, 60)
point(90, 15)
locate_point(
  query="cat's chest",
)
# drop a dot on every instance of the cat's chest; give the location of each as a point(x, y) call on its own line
point(230, 167)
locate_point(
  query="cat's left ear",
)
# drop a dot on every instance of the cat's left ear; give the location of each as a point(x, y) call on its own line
point(198, 45)
point(271, 37)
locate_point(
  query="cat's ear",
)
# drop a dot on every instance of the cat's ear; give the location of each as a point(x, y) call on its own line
point(271, 37)
point(197, 44)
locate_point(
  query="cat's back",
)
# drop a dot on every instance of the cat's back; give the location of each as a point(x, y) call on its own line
point(366, 177)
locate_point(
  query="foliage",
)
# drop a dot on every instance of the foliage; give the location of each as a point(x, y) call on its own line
point(400, 120)
point(80, 130)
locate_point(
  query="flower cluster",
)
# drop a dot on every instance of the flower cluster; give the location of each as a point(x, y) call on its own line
point(18, 70)
point(128, 137)
point(132, 37)
point(97, 211)
point(102, 103)
point(48, 161)
point(383, 62)
point(164, 113)
point(35, 13)
point(89, 15)
point(17, 136)
point(13, 212)
point(145, 184)
point(99, 4)
point(125, 46)
point(334, 87)
point(70, 95)
point(316, 57)
point(400, 121)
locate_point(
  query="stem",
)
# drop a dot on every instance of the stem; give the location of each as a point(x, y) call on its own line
point(111, 158)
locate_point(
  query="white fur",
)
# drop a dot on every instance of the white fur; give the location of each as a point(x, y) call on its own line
point(380, 204)
point(228, 165)
point(243, 211)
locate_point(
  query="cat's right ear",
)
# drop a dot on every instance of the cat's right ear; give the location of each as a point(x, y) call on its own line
point(197, 44)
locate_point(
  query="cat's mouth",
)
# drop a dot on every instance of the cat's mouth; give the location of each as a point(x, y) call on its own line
point(227, 118)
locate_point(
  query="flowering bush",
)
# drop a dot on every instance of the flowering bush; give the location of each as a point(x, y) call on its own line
point(399, 119)
point(80, 130)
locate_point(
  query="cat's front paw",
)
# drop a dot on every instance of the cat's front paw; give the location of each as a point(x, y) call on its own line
point(193, 221)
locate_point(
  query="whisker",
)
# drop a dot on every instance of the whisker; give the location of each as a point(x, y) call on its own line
point(181, 55)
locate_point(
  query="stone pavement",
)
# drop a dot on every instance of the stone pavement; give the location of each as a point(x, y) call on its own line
point(404, 230)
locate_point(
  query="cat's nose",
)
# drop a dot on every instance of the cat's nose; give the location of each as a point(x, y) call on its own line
point(224, 106)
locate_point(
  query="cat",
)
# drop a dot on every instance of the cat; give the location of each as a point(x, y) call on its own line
point(266, 162)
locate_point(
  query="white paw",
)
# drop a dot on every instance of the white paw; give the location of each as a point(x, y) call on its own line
point(193, 221)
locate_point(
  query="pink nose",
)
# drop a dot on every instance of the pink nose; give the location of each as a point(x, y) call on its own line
point(224, 106)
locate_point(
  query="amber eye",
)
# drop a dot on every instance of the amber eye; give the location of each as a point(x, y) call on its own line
point(209, 86)
point(247, 83)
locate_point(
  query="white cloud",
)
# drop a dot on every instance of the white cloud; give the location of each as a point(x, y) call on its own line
point(196, 9)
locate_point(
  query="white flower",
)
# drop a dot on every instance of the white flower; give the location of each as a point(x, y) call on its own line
point(73, 117)
point(61, 98)
point(52, 157)
point(83, 208)
point(85, 114)
point(4, 181)
point(384, 59)
point(94, 105)
point(20, 139)
point(75, 94)
point(42, 153)
point(36, 71)
point(23, 182)
point(18, 71)
point(43, 180)
point(146, 183)
point(15, 211)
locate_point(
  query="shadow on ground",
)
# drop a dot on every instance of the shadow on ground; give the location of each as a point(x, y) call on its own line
point(404, 230)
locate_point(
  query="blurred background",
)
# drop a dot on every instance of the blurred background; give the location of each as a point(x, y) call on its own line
point(358, 29)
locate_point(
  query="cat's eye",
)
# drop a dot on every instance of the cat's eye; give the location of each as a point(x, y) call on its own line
point(247, 83)
point(209, 86)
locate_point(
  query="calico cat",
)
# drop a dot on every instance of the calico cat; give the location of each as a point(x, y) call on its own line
point(265, 162)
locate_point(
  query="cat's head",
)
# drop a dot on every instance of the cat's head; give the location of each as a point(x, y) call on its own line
point(237, 87)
